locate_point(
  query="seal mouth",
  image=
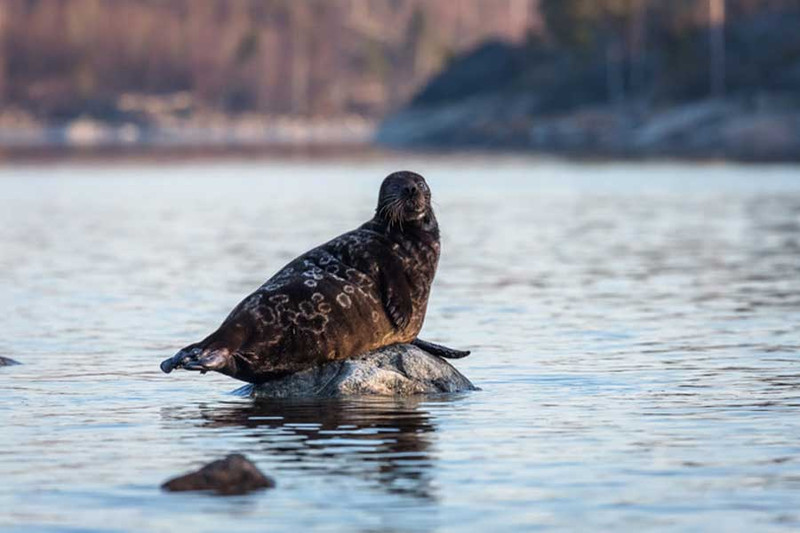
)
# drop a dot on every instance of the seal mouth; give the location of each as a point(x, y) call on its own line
point(415, 203)
point(414, 211)
point(403, 209)
point(415, 206)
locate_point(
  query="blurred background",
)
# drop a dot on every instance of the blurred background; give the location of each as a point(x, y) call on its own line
point(693, 78)
point(619, 198)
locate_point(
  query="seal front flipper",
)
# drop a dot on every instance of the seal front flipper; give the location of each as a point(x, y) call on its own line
point(398, 307)
point(396, 294)
point(438, 349)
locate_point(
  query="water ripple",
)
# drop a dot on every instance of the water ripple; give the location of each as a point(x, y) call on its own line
point(634, 330)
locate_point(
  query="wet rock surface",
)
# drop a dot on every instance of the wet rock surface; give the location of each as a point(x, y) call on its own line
point(398, 370)
point(233, 475)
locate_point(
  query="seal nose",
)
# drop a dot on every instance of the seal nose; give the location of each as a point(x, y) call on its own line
point(410, 190)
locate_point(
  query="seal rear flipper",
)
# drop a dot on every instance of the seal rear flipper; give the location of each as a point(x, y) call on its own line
point(177, 360)
point(441, 351)
point(215, 352)
point(216, 360)
point(199, 359)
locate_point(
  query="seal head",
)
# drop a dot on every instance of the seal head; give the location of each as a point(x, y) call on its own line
point(404, 198)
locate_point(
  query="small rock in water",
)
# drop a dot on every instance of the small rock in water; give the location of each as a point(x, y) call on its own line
point(398, 370)
point(233, 475)
point(5, 361)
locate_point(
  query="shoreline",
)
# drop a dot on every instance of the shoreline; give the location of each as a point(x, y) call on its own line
point(735, 130)
point(149, 154)
point(731, 129)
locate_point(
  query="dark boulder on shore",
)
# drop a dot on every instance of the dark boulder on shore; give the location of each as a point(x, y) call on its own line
point(398, 370)
point(233, 475)
point(490, 66)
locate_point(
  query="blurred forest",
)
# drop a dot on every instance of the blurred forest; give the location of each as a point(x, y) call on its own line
point(707, 78)
point(455, 72)
point(63, 58)
point(681, 48)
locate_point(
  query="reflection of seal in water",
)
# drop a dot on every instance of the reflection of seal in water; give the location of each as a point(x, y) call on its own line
point(361, 291)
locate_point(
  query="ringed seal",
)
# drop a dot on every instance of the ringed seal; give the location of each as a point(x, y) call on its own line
point(361, 291)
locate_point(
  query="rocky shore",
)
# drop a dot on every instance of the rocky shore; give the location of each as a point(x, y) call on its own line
point(88, 133)
point(175, 121)
point(746, 129)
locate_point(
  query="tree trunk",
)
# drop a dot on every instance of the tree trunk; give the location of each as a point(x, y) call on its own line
point(615, 72)
point(716, 26)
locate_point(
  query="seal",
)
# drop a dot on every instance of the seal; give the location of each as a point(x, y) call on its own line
point(361, 291)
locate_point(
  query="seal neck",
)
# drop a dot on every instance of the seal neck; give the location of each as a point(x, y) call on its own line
point(425, 227)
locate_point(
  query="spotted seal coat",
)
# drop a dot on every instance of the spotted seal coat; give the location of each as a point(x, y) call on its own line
point(363, 290)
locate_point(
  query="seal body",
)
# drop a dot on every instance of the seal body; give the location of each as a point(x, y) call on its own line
point(363, 290)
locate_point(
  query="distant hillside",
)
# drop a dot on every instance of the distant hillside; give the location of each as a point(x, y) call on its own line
point(616, 96)
point(60, 59)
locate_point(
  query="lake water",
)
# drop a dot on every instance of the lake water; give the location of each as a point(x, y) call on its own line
point(635, 329)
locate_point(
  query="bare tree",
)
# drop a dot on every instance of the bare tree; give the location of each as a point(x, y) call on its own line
point(716, 23)
point(636, 42)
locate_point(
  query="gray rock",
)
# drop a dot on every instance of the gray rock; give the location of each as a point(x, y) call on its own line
point(398, 370)
point(233, 475)
point(5, 361)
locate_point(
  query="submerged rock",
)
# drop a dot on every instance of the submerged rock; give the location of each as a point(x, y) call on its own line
point(5, 361)
point(398, 370)
point(233, 475)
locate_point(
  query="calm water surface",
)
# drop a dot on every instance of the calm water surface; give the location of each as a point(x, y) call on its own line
point(635, 329)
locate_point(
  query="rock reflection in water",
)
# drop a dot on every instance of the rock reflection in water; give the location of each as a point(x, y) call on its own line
point(385, 441)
